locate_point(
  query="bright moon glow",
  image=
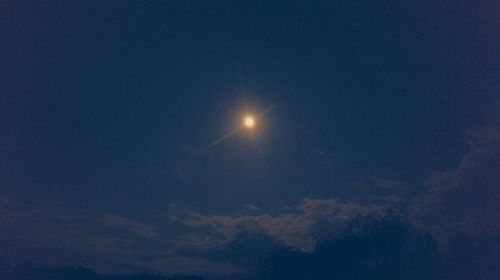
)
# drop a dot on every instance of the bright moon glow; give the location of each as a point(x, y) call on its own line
point(249, 121)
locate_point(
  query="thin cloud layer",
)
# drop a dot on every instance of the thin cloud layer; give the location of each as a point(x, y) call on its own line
point(466, 198)
point(208, 245)
point(300, 228)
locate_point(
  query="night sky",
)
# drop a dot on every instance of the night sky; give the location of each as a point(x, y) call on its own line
point(109, 111)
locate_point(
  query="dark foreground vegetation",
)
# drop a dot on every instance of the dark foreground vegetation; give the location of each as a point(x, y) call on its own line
point(388, 248)
point(371, 248)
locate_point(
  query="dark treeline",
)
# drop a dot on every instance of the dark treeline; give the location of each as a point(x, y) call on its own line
point(370, 248)
point(29, 271)
point(387, 248)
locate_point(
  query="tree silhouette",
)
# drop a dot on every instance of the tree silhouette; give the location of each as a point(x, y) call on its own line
point(29, 271)
point(371, 248)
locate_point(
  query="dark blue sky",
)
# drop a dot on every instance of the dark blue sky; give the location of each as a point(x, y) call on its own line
point(105, 106)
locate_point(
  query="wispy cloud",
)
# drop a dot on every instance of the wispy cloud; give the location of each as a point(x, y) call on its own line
point(203, 244)
point(59, 238)
point(466, 198)
point(299, 228)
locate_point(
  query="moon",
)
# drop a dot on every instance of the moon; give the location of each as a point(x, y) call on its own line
point(249, 121)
